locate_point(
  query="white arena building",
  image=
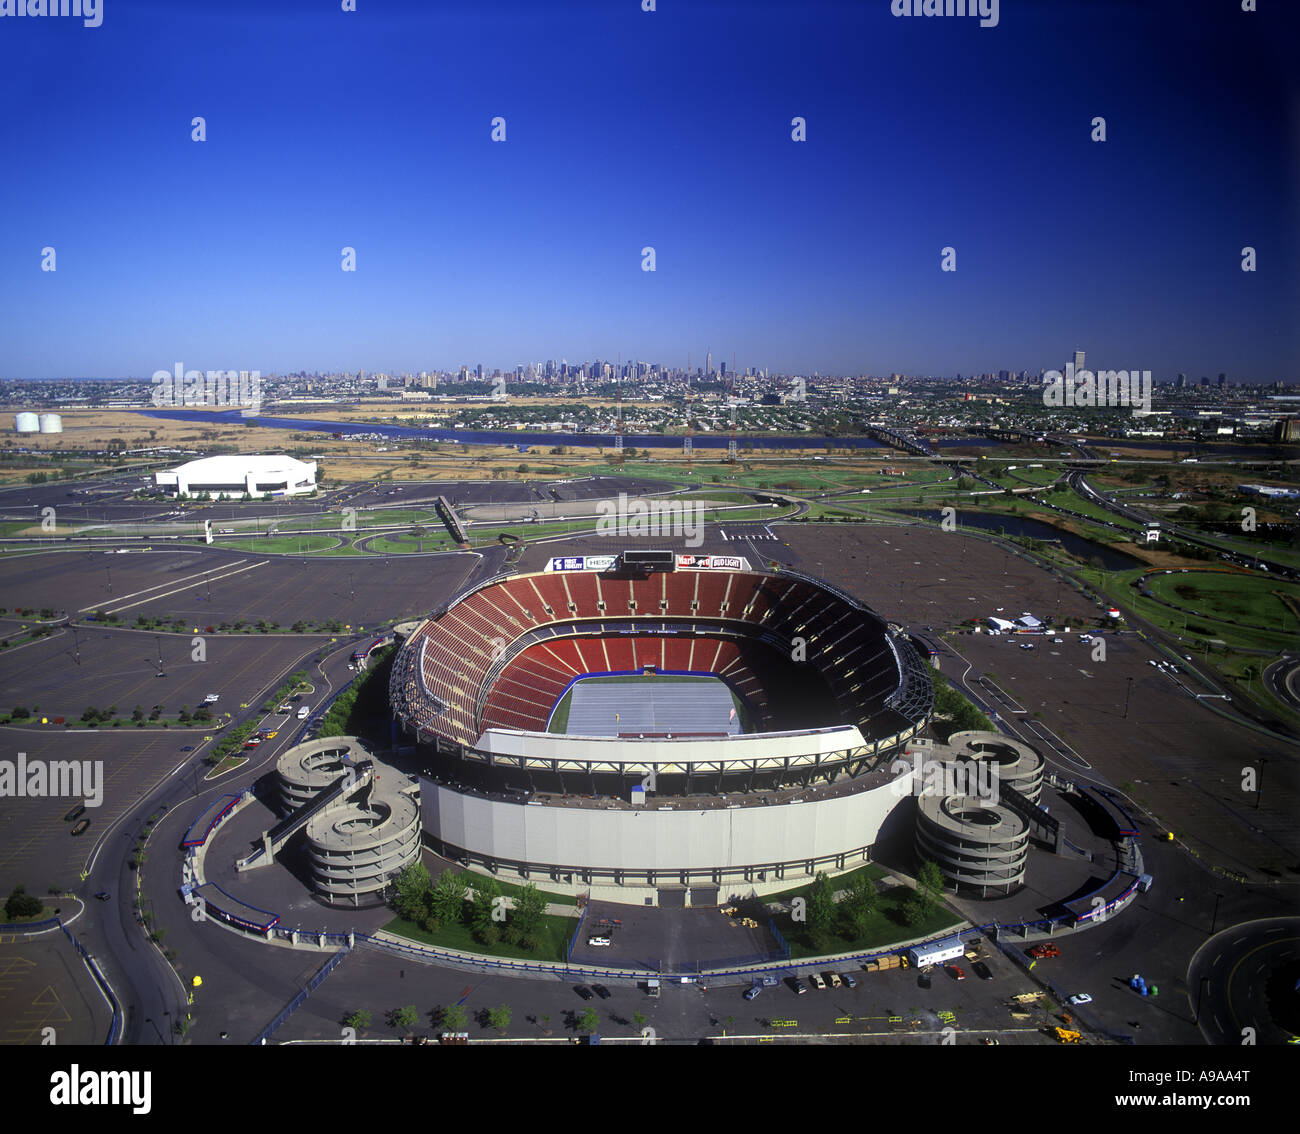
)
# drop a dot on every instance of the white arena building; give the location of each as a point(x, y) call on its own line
point(238, 474)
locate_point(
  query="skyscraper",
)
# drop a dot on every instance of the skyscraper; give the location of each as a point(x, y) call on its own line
point(1078, 361)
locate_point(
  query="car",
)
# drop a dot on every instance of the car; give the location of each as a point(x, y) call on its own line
point(583, 991)
point(768, 981)
point(1058, 641)
point(601, 991)
point(981, 970)
point(76, 813)
point(187, 748)
point(103, 895)
point(1081, 998)
point(850, 980)
point(799, 987)
point(80, 828)
point(599, 942)
point(212, 698)
point(957, 972)
point(923, 979)
point(833, 979)
point(271, 735)
point(817, 982)
point(1045, 949)
point(252, 742)
point(752, 991)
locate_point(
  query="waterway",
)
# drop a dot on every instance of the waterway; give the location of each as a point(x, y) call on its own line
point(530, 437)
point(1085, 549)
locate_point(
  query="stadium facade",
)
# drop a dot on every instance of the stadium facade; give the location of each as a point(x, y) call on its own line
point(238, 474)
point(828, 693)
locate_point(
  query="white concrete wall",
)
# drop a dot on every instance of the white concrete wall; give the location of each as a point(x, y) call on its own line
point(651, 839)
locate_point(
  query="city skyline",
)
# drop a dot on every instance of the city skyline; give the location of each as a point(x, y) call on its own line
point(672, 130)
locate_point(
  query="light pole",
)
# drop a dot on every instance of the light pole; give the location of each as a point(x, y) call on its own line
point(1128, 695)
point(1214, 921)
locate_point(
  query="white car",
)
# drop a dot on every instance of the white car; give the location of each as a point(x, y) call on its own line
point(598, 941)
point(1081, 998)
point(817, 982)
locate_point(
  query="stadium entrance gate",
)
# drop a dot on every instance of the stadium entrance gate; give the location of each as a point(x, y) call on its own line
point(672, 897)
point(704, 895)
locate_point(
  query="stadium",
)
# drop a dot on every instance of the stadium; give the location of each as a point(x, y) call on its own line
point(676, 727)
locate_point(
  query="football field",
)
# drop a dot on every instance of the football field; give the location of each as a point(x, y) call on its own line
point(635, 705)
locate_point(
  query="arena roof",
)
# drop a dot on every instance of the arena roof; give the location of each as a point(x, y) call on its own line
point(232, 468)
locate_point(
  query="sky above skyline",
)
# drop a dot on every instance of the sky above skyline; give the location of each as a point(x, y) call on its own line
point(670, 129)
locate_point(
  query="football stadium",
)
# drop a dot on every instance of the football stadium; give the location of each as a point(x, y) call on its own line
point(677, 726)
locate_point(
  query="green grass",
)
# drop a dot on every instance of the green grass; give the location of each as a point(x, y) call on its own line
point(885, 926)
point(1234, 596)
point(840, 881)
point(293, 545)
point(554, 931)
point(513, 890)
point(560, 717)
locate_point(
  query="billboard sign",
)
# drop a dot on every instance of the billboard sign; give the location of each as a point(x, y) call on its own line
point(580, 563)
point(711, 562)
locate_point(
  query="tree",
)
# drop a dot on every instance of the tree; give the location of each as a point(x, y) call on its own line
point(446, 900)
point(857, 906)
point(454, 1017)
point(22, 904)
point(526, 917)
point(913, 912)
point(929, 885)
point(821, 905)
point(412, 889)
point(499, 1017)
point(588, 1021)
point(405, 1017)
point(484, 926)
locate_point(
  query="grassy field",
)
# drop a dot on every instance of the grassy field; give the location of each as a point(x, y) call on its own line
point(1206, 625)
point(555, 933)
point(291, 545)
point(886, 926)
point(1233, 596)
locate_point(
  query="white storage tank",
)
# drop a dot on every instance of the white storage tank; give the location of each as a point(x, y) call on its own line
point(51, 423)
point(26, 422)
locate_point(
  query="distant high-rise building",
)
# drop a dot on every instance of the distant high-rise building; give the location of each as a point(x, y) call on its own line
point(1223, 380)
point(1078, 361)
point(708, 364)
point(1182, 381)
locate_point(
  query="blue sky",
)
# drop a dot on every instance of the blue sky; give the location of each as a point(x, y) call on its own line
point(669, 129)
